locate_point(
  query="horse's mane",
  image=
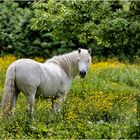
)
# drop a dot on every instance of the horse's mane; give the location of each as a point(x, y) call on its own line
point(67, 61)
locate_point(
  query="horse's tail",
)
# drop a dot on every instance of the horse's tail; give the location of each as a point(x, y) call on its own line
point(9, 90)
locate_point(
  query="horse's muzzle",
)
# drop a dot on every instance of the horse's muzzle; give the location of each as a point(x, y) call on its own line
point(82, 74)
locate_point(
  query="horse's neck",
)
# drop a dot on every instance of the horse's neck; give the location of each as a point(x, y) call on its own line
point(69, 64)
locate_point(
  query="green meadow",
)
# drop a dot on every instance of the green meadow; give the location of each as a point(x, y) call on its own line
point(104, 105)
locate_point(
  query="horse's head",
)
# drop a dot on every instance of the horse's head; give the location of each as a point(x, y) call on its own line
point(84, 60)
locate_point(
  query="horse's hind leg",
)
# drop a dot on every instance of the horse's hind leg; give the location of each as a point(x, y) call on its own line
point(30, 98)
point(14, 99)
point(15, 96)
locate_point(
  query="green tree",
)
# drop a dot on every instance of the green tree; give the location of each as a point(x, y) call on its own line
point(109, 27)
point(8, 23)
point(121, 32)
point(13, 33)
point(71, 20)
point(16, 35)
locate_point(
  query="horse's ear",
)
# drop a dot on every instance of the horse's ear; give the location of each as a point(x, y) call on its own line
point(79, 50)
point(89, 51)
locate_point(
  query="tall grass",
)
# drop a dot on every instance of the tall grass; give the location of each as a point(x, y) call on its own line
point(103, 105)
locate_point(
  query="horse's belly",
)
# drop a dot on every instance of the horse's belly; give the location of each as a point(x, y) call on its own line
point(52, 85)
point(48, 90)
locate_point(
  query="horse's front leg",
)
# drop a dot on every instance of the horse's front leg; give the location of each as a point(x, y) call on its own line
point(57, 104)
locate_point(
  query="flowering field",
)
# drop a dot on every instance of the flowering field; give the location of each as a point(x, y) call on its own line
point(103, 105)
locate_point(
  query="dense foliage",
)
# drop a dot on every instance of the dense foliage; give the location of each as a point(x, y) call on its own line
point(46, 28)
point(109, 27)
point(101, 106)
point(17, 37)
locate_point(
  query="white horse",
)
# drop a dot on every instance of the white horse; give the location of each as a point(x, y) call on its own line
point(50, 79)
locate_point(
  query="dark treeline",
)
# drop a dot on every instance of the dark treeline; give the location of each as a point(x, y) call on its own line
point(45, 28)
